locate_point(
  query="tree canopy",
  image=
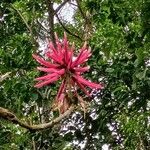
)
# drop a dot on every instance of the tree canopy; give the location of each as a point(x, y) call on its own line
point(117, 116)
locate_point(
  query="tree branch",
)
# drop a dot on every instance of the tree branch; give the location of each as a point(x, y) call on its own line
point(27, 25)
point(7, 115)
point(4, 76)
point(40, 24)
point(87, 22)
point(60, 6)
point(74, 4)
point(22, 17)
point(69, 32)
point(80, 9)
point(50, 10)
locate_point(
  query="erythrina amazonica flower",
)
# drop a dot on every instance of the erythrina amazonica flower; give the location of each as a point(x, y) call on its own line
point(63, 64)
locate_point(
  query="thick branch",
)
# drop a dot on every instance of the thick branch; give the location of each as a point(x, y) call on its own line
point(7, 115)
point(51, 20)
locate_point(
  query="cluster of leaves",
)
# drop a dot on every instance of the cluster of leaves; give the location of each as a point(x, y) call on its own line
point(121, 44)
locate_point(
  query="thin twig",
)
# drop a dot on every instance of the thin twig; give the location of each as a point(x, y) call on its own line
point(27, 25)
point(87, 22)
point(40, 24)
point(80, 9)
point(22, 17)
point(74, 4)
point(66, 28)
point(60, 6)
point(50, 10)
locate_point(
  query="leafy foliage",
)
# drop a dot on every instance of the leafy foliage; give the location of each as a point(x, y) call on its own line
point(118, 116)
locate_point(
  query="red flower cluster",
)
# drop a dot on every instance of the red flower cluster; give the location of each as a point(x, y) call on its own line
point(64, 65)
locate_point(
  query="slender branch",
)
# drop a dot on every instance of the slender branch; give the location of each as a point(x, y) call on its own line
point(22, 17)
point(74, 4)
point(60, 6)
point(27, 25)
point(69, 32)
point(80, 9)
point(87, 22)
point(33, 144)
point(7, 115)
point(3, 77)
point(40, 24)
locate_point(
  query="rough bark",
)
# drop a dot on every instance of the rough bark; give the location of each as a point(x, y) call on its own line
point(7, 115)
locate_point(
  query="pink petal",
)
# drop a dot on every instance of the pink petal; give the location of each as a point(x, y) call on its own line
point(83, 88)
point(40, 84)
point(70, 58)
point(61, 89)
point(82, 69)
point(66, 49)
point(55, 58)
point(61, 97)
point(83, 58)
point(84, 46)
point(73, 46)
point(47, 77)
point(65, 41)
point(56, 37)
point(42, 61)
point(66, 56)
point(61, 71)
point(59, 47)
point(76, 60)
point(47, 69)
point(88, 83)
point(51, 47)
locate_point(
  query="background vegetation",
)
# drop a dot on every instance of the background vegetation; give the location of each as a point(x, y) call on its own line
point(118, 32)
